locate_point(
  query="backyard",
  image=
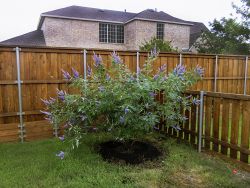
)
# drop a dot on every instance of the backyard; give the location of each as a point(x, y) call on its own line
point(99, 98)
point(35, 164)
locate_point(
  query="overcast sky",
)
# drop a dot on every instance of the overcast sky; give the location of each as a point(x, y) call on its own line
point(21, 16)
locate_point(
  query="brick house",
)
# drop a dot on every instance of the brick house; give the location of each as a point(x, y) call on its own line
point(85, 27)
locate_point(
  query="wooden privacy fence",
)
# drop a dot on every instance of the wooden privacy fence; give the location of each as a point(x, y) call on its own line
point(29, 74)
point(220, 123)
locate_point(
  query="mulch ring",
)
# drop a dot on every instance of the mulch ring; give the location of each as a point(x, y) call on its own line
point(129, 152)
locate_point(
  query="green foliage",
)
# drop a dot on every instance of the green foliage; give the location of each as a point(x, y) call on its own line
point(228, 36)
point(161, 45)
point(243, 10)
point(115, 100)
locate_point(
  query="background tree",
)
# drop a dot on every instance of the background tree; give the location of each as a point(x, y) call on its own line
point(228, 35)
point(160, 45)
point(244, 11)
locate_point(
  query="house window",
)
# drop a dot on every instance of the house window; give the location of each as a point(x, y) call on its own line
point(111, 33)
point(160, 31)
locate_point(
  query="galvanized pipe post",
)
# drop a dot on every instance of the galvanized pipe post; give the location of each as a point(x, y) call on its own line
point(85, 68)
point(56, 131)
point(85, 72)
point(20, 105)
point(200, 120)
point(180, 60)
point(85, 64)
point(137, 64)
point(215, 73)
point(245, 81)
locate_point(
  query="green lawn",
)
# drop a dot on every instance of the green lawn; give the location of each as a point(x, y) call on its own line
point(35, 165)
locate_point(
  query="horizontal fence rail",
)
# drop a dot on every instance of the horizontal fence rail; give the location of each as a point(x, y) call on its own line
point(221, 123)
point(29, 74)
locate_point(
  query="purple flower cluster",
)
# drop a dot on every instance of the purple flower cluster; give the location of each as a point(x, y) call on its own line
point(66, 75)
point(164, 78)
point(61, 94)
point(116, 59)
point(179, 70)
point(132, 78)
point(126, 110)
point(46, 113)
point(176, 127)
point(156, 76)
point(89, 71)
point(122, 120)
point(152, 94)
point(199, 70)
point(48, 102)
point(108, 77)
point(154, 53)
point(196, 101)
point(156, 128)
point(67, 125)
point(62, 138)
point(101, 88)
point(83, 117)
point(98, 60)
point(94, 128)
point(185, 118)
point(163, 68)
point(75, 73)
point(48, 116)
point(179, 99)
point(60, 155)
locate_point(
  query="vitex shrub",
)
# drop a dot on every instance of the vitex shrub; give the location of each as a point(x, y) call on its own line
point(121, 102)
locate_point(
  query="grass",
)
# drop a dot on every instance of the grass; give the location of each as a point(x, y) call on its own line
point(35, 165)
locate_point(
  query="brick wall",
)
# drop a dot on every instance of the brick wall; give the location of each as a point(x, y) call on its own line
point(75, 33)
point(178, 34)
point(85, 34)
point(130, 35)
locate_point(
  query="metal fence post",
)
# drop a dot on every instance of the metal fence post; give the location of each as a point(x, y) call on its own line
point(245, 81)
point(56, 131)
point(201, 120)
point(19, 82)
point(215, 73)
point(137, 64)
point(180, 60)
point(85, 64)
point(85, 68)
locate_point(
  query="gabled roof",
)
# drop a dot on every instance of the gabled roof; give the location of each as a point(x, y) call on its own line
point(195, 32)
point(94, 14)
point(151, 14)
point(33, 38)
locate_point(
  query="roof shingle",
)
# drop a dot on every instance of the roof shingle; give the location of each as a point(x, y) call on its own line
point(195, 32)
point(160, 16)
point(33, 38)
point(91, 13)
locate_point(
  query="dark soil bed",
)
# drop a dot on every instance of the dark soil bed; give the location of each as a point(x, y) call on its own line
point(130, 152)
